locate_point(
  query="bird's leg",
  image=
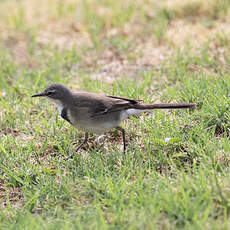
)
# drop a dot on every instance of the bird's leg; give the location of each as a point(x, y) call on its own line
point(79, 146)
point(84, 142)
point(123, 136)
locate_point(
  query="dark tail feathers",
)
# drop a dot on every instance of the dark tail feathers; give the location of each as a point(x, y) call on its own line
point(166, 106)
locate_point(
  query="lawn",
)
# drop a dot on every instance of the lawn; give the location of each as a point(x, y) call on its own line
point(175, 173)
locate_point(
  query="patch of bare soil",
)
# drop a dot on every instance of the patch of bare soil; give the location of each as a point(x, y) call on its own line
point(11, 195)
point(66, 32)
point(63, 35)
point(7, 131)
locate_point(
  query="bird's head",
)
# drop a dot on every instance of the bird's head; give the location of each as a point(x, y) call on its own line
point(55, 92)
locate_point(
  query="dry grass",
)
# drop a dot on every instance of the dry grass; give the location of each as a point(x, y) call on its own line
point(65, 25)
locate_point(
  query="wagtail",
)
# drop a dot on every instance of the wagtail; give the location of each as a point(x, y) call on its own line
point(93, 113)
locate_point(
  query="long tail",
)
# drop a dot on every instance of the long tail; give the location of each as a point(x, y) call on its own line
point(166, 106)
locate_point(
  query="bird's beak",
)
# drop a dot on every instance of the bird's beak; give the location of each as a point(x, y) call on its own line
point(39, 95)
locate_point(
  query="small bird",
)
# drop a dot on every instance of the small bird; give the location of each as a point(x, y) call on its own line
point(93, 113)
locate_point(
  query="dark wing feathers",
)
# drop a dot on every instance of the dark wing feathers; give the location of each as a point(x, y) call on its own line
point(99, 104)
point(132, 101)
point(120, 103)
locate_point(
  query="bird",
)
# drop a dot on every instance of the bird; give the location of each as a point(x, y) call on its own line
point(94, 113)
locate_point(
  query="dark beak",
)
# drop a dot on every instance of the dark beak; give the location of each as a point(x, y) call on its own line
point(39, 95)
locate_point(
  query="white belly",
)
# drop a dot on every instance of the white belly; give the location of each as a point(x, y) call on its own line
point(88, 125)
point(96, 128)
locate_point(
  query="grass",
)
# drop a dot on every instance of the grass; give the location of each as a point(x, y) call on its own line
point(175, 174)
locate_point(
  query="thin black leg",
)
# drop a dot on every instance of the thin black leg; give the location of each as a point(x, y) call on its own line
point(123, 136)
point(79, 146)
point(84, 142)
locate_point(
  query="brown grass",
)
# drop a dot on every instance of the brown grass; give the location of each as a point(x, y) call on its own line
point(64, 26)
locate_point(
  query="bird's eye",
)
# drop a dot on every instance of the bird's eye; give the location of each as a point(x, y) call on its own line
point(50, 93)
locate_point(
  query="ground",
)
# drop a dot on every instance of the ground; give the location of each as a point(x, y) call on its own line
point(175, 174)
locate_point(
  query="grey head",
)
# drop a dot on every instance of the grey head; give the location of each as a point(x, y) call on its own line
point(57, 93)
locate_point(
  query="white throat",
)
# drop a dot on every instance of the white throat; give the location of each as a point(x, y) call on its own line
point(59, 105)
